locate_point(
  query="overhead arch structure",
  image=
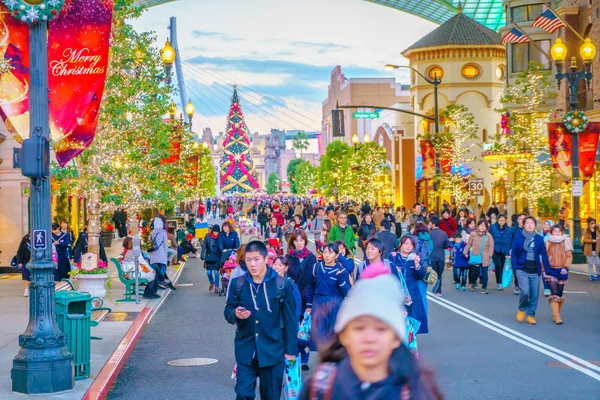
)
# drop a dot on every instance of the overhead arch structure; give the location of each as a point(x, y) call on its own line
point(489, 13)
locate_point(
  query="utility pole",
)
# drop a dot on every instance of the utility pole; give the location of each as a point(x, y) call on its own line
point(43, 364)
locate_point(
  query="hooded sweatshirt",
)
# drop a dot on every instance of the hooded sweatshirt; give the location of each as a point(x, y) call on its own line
point(317, 227)
point(159, 235)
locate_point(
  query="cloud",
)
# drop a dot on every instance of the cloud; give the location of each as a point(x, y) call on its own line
point(215, 35)
point(322, 47)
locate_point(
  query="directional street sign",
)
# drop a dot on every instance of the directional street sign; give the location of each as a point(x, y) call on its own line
point(365, 115)
point(39, 240)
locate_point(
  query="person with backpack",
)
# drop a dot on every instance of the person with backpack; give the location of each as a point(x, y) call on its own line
point(261, 304)
point(424, 249)
point(440, 241)
point(367, 359)
point(479, 250)
point(342, 231)
point(157, 248)
point(328, 286)
point(374, 254)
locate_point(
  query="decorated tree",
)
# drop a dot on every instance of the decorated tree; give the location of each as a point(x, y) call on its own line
point(368, 163)
point(524, 137)
point(300, 142)
point(237, 166)
point(336, 160)
point(306, 177)
point(455, 151)
point(273, 182)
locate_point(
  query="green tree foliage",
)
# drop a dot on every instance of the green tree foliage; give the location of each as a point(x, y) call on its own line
point(272, 183)
point(306, 177)
point(291, 173)
point(337, 159)
point(300, 142)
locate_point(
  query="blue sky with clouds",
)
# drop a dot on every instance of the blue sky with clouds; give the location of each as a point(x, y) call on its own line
point(280, 53)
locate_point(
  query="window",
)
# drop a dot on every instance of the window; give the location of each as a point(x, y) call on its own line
point(526, 13)
point(470, 71)
point(522, 53)
point(500, 72)
point(436, 72)
point(484, 135)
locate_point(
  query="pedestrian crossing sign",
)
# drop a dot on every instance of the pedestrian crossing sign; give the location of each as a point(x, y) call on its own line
point(39, 240)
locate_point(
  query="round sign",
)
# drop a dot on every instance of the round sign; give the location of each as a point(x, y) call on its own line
point(192, 362)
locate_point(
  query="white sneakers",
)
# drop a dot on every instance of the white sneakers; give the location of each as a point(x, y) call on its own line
point(26, 294)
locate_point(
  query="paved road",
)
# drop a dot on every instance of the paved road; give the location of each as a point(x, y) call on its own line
point(477, 348)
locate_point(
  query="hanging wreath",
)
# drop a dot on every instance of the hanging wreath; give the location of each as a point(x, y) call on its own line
point(575, 121)
point(32, 11)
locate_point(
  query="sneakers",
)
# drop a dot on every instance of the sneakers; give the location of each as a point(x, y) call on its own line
point(457, 286)
point(305, 367)
point(26, 293)
point(592, 277)
point(546, 292)
point(484, 291)
point(531, 320)
point(520, 316)
point(500, 287)
point(517, 291)
point(472, 288)
point(438, 294)
point(464, 289)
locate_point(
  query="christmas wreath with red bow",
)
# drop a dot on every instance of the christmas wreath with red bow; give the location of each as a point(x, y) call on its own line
point(33, 11)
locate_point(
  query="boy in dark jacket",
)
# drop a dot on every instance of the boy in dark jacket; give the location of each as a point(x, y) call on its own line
point(262, 305)
point(460, 263)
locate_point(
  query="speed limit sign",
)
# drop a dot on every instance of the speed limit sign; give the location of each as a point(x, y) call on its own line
point(476, 187)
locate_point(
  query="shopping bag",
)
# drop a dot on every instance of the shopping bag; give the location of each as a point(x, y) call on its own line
point(412, 327)
point(292, 380)
point(507, 274)
point(304, 331)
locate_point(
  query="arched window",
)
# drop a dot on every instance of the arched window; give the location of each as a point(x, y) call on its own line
point(484, 136)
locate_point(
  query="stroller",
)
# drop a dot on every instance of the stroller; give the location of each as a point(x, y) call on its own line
point(226, 270)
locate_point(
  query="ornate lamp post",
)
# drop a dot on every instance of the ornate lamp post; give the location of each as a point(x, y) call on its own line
point(43, 364)
point(168, 55)
point(189, 110)
point(573, 76)
point(172, 111)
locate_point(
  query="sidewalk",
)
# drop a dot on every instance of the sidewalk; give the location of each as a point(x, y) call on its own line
point(14, 316)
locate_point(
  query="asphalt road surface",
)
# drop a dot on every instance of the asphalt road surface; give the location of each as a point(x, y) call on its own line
point(475, 345)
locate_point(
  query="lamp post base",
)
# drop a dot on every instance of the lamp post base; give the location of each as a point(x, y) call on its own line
point(42, 376)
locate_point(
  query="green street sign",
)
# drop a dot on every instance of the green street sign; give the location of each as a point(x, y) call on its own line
point(365, 115)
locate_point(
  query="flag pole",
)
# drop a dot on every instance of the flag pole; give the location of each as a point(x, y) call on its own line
point(565, 22)
point(530, 40)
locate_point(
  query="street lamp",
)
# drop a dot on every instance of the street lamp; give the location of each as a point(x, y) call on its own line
point(573, 76)
point(366, 138)
point(172, 111)
point(189, 110)
point(355, 140)
point(168, 54)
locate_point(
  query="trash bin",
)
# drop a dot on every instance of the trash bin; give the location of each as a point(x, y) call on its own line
point(73, 312)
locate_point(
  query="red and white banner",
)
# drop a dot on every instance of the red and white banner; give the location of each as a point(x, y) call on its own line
point(561, 146)
point(588, 146)
point(78, 43)
point(428, 157)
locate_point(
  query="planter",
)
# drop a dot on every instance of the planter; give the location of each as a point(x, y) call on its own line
point(94, 284)
point(106, 238)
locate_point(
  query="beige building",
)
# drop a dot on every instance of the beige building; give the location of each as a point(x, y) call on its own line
point(470, 61)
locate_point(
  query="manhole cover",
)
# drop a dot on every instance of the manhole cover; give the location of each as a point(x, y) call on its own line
point(185, 284)
point(558, 364)
point(191, 362)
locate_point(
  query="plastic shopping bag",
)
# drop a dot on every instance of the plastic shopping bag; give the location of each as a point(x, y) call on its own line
point(304, 332)
point(507, 274)
point(412, 326)
point(292, 380)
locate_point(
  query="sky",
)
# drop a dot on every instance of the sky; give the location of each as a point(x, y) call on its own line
point(280, 53)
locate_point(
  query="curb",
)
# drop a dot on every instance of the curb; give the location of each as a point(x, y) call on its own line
point(108, 375)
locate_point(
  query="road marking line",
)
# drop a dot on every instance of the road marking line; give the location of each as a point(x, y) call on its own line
point(516, 336)
point(578, 273)
point(566, 291)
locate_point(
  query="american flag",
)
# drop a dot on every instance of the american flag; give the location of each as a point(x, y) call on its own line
point(515, 36)
point(548, 21)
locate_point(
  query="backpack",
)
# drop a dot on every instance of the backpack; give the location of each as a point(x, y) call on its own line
point(363, 264)
point(239, 284)
point(424, 252)
point(322, 382)
point(152, 246)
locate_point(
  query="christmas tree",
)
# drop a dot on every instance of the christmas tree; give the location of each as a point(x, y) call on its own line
point(237, 167)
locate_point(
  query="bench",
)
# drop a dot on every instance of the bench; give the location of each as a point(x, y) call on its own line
point(129, 283)
point(98, 311)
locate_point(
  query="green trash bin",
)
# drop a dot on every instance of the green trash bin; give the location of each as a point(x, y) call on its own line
point(73, 313)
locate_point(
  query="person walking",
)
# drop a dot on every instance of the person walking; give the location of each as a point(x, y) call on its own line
point(342, 231)
point(62, 241)
point(229, 241)
point(366, 231)
point(158, 258)
point(23, 257)
point(261, 304)
point(316, 225)
point(262, 220)
point(387, 238)
point(211, 255)
point(528, 257)
point(591, 247)
point(448, 224)
point(440, 244)
point(399, 217)
point(545, 233)
point(423, 248)
point(503, 237)
point(480, 250)
point(560, 257)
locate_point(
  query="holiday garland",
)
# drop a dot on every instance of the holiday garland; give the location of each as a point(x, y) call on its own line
point(32, 11)
point(575, 121)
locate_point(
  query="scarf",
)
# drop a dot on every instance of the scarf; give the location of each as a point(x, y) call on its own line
point(528, 245)
point(560, 239)
point(304, 253)
point(214, 235)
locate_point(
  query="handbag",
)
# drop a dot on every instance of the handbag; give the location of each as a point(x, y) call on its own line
point(431, 277)
point(477, 259)
point(304, 331)
point(507, 274)
point(292, 380)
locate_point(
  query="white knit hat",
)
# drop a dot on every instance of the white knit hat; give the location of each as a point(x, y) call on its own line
point(380, 297)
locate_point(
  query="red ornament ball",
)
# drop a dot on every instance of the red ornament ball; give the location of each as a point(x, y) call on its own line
point(53, 12)
point(16, 12)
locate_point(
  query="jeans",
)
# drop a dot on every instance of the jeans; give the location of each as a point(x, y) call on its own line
point(499, 261)
point(481, 272)
point(152, 287)
point(213, 276)
point(593, 260)
point(438, 267)
point(460, 275)
point(263, 228)
point(529, 283)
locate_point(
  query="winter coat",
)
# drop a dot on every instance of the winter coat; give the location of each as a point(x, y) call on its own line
point(474, 247)
point(558, 257)
point(353, 220)
point(81, 247)
point(519, 255)
point(300, 270)
point(414, 218)
point(24, 251)
point(210, 252)
point(316, 226)
point(412, 277)
point(262, 217)
point(228, 241)
point(587, 241)
point(344, 234)
point(449, 226)
point(366, 231)
point(503, 237)
point(389, 242)
point(279, 216)
point(440, 243)
point(459, 260)
point(159, 235)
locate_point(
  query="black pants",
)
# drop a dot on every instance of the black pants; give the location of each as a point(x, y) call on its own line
point(499, 260)
point(438, 267)
point(398, 229)
point(271, 381)
point(263, 228)
point(478, 271)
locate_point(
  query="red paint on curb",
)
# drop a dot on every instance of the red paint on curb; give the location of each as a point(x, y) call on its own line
point(108, 375)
